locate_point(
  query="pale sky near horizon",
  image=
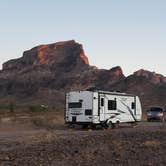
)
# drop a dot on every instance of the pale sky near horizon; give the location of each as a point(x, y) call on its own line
point(126, 33)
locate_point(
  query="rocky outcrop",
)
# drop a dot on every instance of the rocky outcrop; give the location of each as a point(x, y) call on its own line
point(151, 76)
point(47, 70)
point(67, 54)
point(45, 73)
point(149, 86)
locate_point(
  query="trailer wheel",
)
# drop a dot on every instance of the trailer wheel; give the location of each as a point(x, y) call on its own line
point(85, 126)
point(111, 125)
point(71, 126)
point(104, 125)
point(99, 127)
point(94, 127)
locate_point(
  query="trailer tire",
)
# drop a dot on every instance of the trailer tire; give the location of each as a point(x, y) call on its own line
point(99, 127)
point(111, 125)
point(149, 120)
point(104, 125)
point(71, 126)
point(85, 126)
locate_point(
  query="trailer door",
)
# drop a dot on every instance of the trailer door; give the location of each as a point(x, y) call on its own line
point(102, 107)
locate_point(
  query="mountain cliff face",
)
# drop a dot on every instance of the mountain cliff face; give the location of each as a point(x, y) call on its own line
point(45, 73)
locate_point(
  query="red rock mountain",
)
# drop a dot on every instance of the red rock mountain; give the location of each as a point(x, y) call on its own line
point(45, 73)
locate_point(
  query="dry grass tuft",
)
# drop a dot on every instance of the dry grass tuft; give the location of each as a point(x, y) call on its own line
point(49, 120)
point(152, 143)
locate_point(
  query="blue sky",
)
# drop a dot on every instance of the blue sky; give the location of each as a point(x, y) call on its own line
point(128, 33)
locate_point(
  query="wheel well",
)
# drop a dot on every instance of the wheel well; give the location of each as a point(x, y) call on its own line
point(110, 121)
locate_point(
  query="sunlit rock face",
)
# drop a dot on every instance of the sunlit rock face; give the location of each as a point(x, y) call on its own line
point(45, 73)
point(67, 54)
point(47, 70)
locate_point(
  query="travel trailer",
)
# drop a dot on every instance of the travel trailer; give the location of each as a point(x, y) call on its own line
point(108, 109)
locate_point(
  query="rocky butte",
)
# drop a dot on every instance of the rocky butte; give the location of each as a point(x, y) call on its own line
point(45, 73)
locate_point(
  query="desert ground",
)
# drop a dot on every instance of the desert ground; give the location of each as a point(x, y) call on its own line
point(42, 139)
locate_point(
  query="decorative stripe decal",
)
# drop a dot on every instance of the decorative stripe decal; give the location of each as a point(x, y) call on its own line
point(128, 108)
point(120, 111)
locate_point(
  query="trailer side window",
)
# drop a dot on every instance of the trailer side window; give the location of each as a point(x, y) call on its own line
point(112, 104)
point(75, 105)
point(88, 112)
point(132, 105)
point(102, 102)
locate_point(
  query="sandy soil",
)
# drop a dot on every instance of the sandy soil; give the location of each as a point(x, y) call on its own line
point(55, 145)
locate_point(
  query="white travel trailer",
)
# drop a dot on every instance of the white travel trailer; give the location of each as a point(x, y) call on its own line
point(107, 109)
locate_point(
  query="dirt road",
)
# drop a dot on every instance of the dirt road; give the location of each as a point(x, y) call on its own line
point(143, 145)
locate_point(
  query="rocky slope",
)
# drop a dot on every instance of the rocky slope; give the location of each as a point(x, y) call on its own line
point(147, 85)
point(46, 72)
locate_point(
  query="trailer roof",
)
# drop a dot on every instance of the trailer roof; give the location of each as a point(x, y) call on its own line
point(107, 92)
point(114, 93)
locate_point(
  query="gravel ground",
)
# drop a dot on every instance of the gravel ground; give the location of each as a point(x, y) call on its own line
point(143, 145)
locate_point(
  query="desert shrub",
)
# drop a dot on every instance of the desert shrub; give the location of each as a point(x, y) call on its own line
point(43, 123)
point(10, 106)
point(4, 106)
point(152, 143)
point(36, 108)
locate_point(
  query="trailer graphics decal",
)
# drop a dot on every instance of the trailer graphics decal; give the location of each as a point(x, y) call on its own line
point(76, 112)
point(130, 111)
point(120, 111)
